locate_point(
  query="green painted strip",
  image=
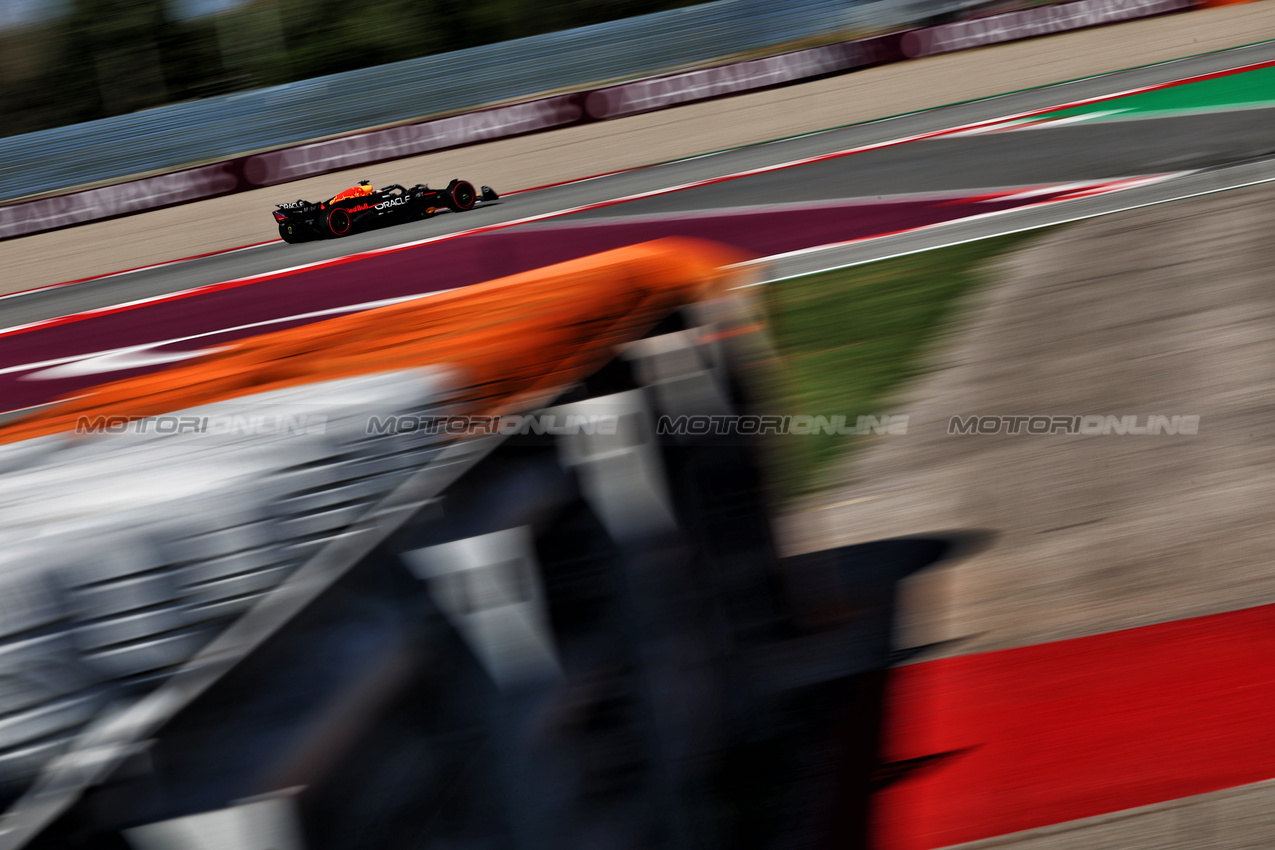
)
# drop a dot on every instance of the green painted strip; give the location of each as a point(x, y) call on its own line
point(1237, 91)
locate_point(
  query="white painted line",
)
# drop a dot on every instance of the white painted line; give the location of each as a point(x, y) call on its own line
point(1108, 188)
point(833, 265)
point(121, 355)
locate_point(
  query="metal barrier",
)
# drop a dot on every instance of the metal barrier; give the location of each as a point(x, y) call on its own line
point(221, 127)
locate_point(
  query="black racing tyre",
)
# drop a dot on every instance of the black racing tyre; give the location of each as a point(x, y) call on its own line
point(460, 196)
point(338, 222)
point(291, 233)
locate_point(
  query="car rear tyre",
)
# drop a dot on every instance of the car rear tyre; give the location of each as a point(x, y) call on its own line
point(338, 222)
point(460, 196)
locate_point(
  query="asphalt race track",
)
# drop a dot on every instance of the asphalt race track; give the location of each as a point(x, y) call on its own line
point(1103, 150)
point(1025, 158)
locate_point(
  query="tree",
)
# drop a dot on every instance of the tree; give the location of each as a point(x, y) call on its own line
point(108, 57)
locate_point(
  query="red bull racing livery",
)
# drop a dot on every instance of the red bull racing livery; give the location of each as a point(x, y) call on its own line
point(361, 207)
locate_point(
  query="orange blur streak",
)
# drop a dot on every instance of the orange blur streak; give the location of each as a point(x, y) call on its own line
point(509, 337)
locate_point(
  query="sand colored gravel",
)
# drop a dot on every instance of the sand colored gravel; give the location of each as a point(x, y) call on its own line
point(1166, 310)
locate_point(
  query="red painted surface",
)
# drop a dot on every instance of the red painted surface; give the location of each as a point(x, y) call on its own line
point(1054, 732)
point(451, 262)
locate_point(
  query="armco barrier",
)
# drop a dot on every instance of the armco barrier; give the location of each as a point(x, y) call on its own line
point(133, 196)
point(287, 164)
point(292, 163)
point(1029, 23)
point(663, 92)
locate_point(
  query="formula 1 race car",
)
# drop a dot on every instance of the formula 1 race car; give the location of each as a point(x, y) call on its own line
point(363, 207)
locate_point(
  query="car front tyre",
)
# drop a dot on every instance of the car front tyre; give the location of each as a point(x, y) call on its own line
point(460, 196)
